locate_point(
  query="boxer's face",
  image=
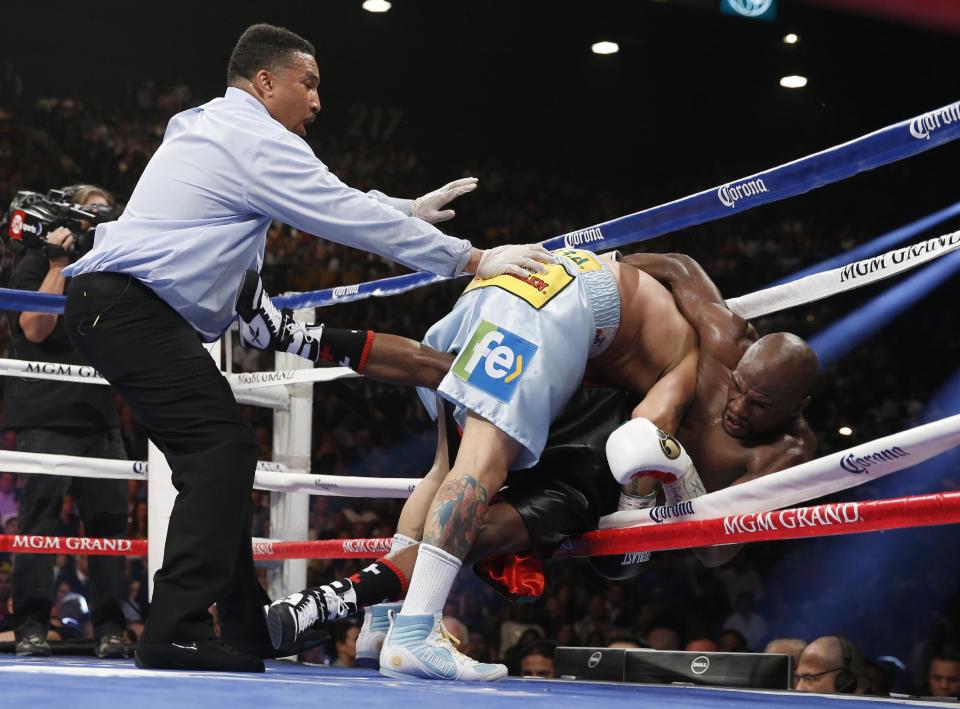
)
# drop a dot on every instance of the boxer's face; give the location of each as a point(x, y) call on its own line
point(762, 395)
point(290, 93)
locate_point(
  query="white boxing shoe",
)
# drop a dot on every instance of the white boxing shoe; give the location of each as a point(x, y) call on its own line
point(419, 646)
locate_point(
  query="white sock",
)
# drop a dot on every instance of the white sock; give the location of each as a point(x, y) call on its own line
point(400, 542)
point(431, 581)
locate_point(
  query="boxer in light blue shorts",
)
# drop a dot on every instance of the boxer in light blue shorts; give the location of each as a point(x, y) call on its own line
point(522, 346)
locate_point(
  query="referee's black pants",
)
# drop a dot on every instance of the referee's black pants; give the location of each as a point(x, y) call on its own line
point(158, 364)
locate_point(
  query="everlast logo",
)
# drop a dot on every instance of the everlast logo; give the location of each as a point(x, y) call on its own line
point(729, 195)
point(846, 513)
point(341, 291)
point(922, 126)
point(682, 509)
point(858, 465)
point(878, 263)
point(635, 557)
point(669, 445)
point(584, 236)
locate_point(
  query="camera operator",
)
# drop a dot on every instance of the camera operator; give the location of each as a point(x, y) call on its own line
point(69, 419)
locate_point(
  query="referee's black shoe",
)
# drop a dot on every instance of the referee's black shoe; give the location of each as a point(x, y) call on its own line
point(212, 655)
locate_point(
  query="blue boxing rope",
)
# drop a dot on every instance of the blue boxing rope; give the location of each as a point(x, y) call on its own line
point(890, 144)
point(882, 147)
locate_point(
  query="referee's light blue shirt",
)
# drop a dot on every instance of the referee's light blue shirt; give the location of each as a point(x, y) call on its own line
point(198, 217)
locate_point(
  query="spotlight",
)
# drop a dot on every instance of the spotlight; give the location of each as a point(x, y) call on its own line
point(793, 82)
point(605, 47)
point(845, 431)
point(376, 5)
point(791, 38)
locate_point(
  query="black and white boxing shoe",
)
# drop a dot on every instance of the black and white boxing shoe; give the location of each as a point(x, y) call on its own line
point(264, 326)
point(289, 618)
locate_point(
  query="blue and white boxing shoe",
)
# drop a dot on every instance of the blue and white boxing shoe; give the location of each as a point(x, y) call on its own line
point(376, 623)
point(419, 646)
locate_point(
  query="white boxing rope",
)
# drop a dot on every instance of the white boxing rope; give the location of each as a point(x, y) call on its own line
point(259, 388)
point(50, 370)
point(81, 467)
point(807, 481)
point(839, 280)
point(336, 485)
point(72, 466)
point(257, 380)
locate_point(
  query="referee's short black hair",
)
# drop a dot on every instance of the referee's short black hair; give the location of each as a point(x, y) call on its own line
point(264, 46)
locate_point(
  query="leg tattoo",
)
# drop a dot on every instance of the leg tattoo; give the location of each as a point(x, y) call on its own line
point(455, 515)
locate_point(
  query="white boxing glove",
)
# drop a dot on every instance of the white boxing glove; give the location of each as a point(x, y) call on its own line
point(639, 448)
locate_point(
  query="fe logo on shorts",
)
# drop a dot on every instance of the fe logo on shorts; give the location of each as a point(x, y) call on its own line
point(494, 360)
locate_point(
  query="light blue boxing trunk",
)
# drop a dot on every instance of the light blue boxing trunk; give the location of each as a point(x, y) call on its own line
point(523, 346)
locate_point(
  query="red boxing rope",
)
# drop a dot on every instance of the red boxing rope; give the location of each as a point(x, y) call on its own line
point(792, 523)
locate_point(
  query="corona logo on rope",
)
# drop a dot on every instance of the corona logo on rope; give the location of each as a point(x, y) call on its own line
point(858, 464)
point(682, 509)
point(584, 236)
point(845, 513)
point(730, 194)
point(343, 291)
point(923, 125)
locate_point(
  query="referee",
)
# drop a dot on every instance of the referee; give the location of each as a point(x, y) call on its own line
point(163, 279)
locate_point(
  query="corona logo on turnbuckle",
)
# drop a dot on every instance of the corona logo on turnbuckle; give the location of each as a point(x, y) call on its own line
point(494, 360)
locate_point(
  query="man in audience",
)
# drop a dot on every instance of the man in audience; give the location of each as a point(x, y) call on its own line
point(830, 665)
point(732, 641)
point(787, 646)
point(943, 674)
point(537, 661)
point(345, 644)
point(663, 639)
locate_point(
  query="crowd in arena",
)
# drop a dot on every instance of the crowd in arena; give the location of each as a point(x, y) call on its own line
point(771, 591)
